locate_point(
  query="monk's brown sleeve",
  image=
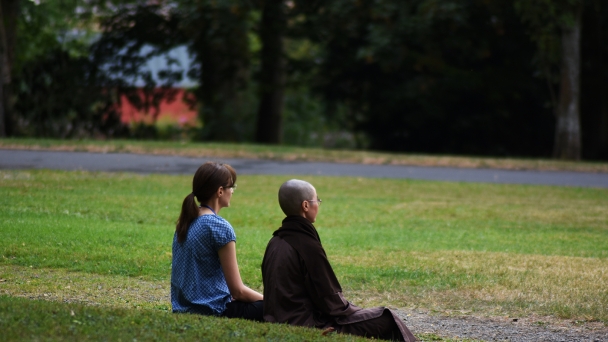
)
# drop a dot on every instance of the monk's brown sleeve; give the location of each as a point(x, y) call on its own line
point(329, 305)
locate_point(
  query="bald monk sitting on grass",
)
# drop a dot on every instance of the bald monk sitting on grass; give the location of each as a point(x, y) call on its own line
point(300, 287)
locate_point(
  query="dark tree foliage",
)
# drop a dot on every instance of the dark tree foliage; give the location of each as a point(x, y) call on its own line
point(9, 14)
point(272, 74)
point(219, 34)
point(216, 34)
point(55, 89)
point(61, 96)
point(594, 76)
point(434, 76)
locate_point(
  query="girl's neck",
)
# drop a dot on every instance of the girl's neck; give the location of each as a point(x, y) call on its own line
point(208, 207)
point(211, 207)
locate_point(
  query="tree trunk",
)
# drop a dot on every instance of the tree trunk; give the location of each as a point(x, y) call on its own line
point(272, 78)
point(568, 131)
point(222, 48)
point(9, 13)
point(4, 71)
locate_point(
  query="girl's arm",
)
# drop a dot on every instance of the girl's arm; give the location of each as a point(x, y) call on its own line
point(238, 290)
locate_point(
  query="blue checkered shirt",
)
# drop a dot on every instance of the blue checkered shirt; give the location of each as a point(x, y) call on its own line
point(197, 280)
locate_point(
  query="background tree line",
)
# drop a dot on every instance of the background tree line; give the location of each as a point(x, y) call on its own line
point(486, 77)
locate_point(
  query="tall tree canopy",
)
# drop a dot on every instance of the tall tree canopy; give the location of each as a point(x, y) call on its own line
point(55, 89)
point(493, 77)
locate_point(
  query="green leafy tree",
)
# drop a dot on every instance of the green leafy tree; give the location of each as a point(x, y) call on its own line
point(58, 91)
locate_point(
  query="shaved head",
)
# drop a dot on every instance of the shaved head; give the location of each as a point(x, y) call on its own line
point(292, 193)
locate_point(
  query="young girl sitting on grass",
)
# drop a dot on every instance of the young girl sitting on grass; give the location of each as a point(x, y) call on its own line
point(205, 275)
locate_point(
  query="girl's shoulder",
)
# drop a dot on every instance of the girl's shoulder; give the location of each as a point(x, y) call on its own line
point(212, 228)
point(212, 221)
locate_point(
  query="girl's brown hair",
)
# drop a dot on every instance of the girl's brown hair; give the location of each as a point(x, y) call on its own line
point(207, 179)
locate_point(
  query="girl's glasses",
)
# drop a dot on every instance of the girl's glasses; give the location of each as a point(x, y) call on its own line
point(233, 187)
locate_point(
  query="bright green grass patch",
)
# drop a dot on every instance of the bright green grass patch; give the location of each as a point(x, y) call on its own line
point(23, 319)
point(494, 249)
point(121, 301)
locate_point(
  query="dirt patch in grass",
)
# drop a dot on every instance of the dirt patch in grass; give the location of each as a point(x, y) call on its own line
point(490, 283)
point(87, 288)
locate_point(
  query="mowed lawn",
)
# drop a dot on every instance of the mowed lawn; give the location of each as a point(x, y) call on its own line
point(70, 239)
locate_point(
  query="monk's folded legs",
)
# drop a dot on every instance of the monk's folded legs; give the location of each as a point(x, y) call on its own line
point(383, 327)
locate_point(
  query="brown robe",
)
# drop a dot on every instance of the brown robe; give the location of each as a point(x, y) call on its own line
point(301, 288)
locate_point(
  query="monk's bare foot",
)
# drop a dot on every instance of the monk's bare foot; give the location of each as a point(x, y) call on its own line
point(328, 331)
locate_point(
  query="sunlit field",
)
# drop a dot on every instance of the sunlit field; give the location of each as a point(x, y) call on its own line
point(99, 244)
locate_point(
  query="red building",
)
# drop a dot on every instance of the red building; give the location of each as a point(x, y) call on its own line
point(176, 112)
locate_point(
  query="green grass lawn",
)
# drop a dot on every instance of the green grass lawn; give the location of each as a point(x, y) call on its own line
point(24, 319)
point(100, 243)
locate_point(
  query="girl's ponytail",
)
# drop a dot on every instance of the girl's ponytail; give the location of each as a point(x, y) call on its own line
point(188, 214)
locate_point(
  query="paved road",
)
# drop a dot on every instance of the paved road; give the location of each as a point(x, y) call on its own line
point(126, 162)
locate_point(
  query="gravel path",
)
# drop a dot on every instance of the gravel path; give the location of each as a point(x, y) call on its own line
point(531, 329)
